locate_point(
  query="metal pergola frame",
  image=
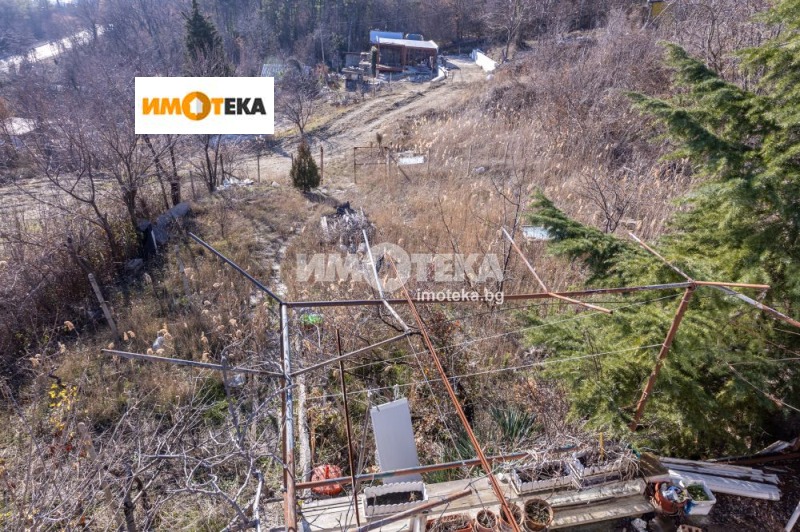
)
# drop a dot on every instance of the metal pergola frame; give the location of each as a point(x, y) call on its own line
point(287, 375)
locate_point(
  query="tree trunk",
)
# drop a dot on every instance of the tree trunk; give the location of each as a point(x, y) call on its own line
point(129, 198)
point(159, 169)
point(175, 182)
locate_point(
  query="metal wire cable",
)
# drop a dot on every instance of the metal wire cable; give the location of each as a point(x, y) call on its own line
point(527, 328)
point(498, 370)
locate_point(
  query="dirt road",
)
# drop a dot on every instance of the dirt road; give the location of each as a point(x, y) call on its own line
point(358, 125)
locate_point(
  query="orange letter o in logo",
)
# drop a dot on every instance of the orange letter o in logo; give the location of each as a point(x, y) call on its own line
point(186, 106)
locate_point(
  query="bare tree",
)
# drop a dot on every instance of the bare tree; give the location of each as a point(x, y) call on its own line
point(127, 159)
point(216, 159)
point(209, 162)
point(63, 152)
point(163, 149)
point(88, 12)
point(612, 193)
point(298, 99)
point(506, 18)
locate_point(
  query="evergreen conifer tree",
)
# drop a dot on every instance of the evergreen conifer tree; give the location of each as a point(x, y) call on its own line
point(204, 47)
point(304, 172)
point(724, 385)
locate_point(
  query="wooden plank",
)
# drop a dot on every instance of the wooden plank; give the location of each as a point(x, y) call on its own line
point(651, 468)
point(601, 493)
point(763, 478)
point(731, 486)
point(616, 509)
point(103, 305)
point(712, 465)
point(742, 473)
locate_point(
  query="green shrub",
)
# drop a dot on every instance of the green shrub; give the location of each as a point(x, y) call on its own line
point(304, 173)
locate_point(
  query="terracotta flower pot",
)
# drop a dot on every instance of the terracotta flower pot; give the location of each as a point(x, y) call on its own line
point(325, 472)
point(538, 515)
point(669, 505)
point(503, 524)
point(485, 521)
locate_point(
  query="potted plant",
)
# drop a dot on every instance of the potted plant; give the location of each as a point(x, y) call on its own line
point(702, 498)
point(538, 515)
point(671, 498)
point(450, 523)
point(547, 475)
point(393, 498)
point(504, 524)
point(485, 521)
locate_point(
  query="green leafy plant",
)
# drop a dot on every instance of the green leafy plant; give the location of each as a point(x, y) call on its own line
point(514, 424)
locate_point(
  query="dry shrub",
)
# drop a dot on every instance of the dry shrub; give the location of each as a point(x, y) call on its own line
point(714, 30)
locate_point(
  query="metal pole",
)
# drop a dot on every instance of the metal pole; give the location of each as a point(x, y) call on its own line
point(321, 165)
point(508, 297)
point(182, 362)
point(370, 477)
point(290, 496)
point(459, 410)
point(658, 255)
point(349, 429)
point(354, 166)
point(539, 280)
point(236, 267)
point(760, 306)
point(734, 285)
point(378, 284)
point(724, 287)
point(793, 520)
point(662, 355)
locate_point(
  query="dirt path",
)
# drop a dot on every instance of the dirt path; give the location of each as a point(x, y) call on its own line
point(357, 125)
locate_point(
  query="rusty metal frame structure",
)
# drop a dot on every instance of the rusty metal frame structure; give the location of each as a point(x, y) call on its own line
point(379, 149)
point(682, 307)
point(287, 376)
point(459, 409)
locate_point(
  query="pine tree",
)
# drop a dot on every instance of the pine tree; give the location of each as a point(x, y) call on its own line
point(742, 223)
point(204, 47)
point(304, 172)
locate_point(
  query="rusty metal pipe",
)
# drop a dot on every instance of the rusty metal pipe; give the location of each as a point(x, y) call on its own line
point(349, 429)
point(509, 297)
point(369, 477)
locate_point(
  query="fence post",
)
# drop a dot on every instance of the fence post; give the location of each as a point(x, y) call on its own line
point(104, 306)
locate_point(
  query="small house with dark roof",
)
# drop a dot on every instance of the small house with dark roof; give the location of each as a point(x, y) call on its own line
point(395, 53)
